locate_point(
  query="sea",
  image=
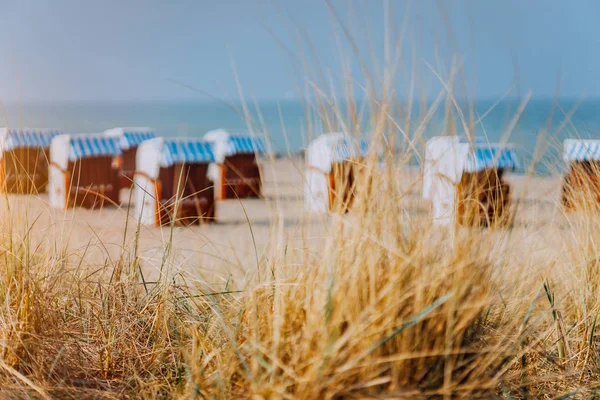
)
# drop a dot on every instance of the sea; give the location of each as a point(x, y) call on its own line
point(537, 133)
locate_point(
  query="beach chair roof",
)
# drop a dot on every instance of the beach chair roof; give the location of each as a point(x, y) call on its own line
point(177, 151)
point(246, 144)
point(581, 150)
point(27, 137)
point(346, 148)
point(491, 155)
point(227, 143)
point(130, 136)
point(334, 147)
point(92, 145)
point(476, 155)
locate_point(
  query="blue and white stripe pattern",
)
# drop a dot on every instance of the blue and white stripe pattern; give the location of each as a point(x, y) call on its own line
point(28, 138)
point(134, 138)
point(346, 148)
point(581, 150)
point(245, 144)
point(83, 146)
point(178, 151)
point(491, 156)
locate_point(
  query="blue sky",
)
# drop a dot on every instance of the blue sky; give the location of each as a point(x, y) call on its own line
point(69, 50)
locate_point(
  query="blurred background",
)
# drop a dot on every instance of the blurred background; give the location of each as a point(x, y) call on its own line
point(186, 67)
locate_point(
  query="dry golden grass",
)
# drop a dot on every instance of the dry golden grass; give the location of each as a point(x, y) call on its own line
point(389, 307)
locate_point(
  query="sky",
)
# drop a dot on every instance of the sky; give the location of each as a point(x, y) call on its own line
point(114, 50)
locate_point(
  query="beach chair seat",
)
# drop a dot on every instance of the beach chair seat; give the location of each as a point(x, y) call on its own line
point(581, 186)
point(342, 185)
point(581, 183)
point(240, 177)
point(483, 199)
point(188, 195)
point(94, 183)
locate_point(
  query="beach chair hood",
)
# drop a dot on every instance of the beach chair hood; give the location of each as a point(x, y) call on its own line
point(228, 143)
point(160, 152)
point(330, 148)
point(92, 145)
point(131, 136)
point(11, 139)
point(581, 150)
point(65, 148)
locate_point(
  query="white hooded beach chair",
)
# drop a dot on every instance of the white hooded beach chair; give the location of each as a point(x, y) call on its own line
point(581, 184)
point(24, 156)
point(236, 172)
point(129, 139)
point(82, 171)
point(331, 166)
point(172, 183)
point(462, 176)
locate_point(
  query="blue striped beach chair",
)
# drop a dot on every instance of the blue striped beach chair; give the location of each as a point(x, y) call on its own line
point(332, 163)
point(83, 171)
point(581, 184)
point(464, 179)
point(171, 183)
point(24, 159)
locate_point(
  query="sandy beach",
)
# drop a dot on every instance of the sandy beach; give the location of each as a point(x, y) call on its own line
point(212, 251)
point(231, 246)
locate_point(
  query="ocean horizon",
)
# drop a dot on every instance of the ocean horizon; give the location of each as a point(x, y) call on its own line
point(285, 121)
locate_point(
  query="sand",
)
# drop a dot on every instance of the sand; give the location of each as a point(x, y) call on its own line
point(244, 228)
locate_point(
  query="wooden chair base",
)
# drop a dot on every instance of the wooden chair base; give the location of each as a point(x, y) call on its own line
point(483, 199)
point(189, 211)
point(581, 187)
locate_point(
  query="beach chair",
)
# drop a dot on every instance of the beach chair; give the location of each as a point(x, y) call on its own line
point(172, 183)
point(129, 139)
point(236, 172)
point(581, 184)
point(465, 181)
point(333, 162)
point(83, 172)
point(24, 164)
